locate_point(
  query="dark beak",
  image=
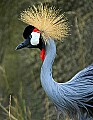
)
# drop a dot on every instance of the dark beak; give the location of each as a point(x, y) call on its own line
point(25, 43)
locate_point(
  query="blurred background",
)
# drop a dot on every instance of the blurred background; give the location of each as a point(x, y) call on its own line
point(21, 94)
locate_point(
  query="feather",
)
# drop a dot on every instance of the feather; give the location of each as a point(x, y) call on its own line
point(80, 90)
point(73, 98)
point(48, 20)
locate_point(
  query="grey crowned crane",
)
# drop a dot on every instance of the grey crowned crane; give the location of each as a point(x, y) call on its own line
point(75, 97)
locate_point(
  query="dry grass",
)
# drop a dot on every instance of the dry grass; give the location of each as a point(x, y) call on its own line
point(17, 109)
point(47, 20)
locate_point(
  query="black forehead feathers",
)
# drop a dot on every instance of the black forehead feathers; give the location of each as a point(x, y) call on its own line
point(27, 31)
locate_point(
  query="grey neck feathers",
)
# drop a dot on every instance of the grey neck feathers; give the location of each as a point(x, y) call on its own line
point(46, 70)
point(62, 95)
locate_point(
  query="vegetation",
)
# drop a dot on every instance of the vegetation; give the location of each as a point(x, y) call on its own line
point(17, 111)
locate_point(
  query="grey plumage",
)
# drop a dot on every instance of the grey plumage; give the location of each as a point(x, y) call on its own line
point(73, 98)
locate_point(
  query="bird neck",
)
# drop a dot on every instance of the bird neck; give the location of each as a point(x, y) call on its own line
point(46, 70)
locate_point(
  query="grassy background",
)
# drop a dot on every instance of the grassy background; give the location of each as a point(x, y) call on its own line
point(20, 70)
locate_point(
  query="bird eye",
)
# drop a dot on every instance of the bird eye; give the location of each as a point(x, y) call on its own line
point(35, 38)
point(30, 36)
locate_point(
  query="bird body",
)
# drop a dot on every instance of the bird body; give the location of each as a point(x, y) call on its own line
point(72, 97)
point(75, 97)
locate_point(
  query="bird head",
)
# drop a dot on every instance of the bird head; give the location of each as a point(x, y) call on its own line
point(33, 39)
point(44, 22)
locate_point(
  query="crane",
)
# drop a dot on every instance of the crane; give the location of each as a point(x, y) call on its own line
point(75, 97)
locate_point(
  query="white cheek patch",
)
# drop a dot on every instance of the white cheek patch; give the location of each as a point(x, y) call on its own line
point(35, 38)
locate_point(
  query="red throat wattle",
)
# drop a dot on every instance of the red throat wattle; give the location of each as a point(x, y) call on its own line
point(42, 54)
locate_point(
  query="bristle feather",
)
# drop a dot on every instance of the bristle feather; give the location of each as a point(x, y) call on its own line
point(47, 20)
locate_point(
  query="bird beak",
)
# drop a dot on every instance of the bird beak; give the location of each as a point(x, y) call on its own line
point(25, 43)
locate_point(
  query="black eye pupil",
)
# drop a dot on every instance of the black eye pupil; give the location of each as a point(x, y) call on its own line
point(30, 36)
